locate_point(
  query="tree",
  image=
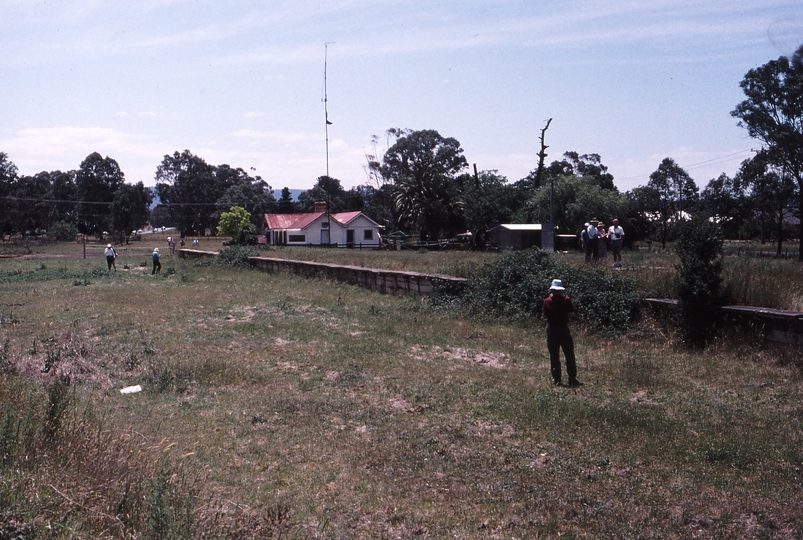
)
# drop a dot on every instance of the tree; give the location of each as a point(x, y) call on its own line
point(8, 175)
point(189, 187)
point(676, 194)
point(235, 223)
point(771, 190)
point(96, 182)
point(773, 114)
point(34, 207)
point(130, 209)
point(489, 200)
point(327, 189)
point(252, 194)
point(725, 199)
point(64, 193)
point(423, 165)
point(286, 203)
point(576, 201)
point(588, 166)
point(642, 203)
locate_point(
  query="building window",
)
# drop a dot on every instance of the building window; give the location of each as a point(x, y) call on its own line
point(368, 234)
point(297, 238)
point(324, 225)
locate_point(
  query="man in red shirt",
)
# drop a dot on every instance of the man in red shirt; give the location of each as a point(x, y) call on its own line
point(557, 310)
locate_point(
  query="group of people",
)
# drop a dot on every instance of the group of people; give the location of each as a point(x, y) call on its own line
point(596, 241)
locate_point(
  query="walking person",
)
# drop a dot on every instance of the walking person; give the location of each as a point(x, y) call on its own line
point(157, 266)
point(616, 234)
point(111, 257)
point(171, 244)
point(557, 310)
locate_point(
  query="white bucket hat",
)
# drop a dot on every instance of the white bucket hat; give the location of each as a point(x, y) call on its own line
point(557, 285)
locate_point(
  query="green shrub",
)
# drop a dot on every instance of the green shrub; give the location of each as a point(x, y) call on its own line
point(61, 230)
point(699, 280)
point(515, 286)
point(236, 256)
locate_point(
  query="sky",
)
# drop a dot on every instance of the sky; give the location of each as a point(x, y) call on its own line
point(242, 82)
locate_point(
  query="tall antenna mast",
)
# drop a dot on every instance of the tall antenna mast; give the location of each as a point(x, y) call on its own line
point(328, 123)
point(326, 101)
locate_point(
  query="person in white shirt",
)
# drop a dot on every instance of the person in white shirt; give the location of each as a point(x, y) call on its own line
point(616, 234)
point(111, 257)
point(593, 240)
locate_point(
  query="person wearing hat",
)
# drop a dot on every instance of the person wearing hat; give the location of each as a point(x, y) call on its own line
point(111, 256)
point(593, 240)
point(157, 266)
point(557, 310)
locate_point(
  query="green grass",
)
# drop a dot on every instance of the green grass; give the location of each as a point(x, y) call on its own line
point(274, 405)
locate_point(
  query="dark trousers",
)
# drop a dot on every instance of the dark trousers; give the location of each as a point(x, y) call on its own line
point(157, 267)
point(557, 337)
point(591, 248)
point(110, 261)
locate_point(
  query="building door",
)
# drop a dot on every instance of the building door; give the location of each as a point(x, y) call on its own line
point(324, 237)
point(350, 238)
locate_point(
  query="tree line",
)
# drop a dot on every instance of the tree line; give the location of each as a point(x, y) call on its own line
point(421, 183)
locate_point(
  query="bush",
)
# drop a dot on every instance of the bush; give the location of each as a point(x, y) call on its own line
point(699, 281)
point(236, 256)
point(61, 230)
point(514, 288)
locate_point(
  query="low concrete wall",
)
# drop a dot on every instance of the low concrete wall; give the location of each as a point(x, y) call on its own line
point(384, 281)
point(780, 328)
point(195, 253)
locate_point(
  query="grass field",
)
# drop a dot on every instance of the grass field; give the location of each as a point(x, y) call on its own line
point(275, 406)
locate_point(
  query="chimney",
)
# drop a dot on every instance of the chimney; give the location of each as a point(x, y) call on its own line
point(320, 206)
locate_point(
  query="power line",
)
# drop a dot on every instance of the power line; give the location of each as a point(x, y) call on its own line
point(695, 165)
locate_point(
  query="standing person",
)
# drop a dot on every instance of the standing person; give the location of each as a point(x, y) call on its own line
point(557, 310)
point(171, 244)
point(111, 257)
point(157, 266)
point(616, 234)
point(602, 243)
point(584, 241)
point(593, 241)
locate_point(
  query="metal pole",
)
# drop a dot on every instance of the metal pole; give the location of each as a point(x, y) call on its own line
point(326, 126)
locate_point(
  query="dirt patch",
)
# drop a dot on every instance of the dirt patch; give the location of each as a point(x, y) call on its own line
point(491, 359)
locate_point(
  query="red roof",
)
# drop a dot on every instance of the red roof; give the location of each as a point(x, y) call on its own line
point(300, 221)
point(290, 221)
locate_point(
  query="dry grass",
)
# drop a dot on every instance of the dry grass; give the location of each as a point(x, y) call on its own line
point(278, 406)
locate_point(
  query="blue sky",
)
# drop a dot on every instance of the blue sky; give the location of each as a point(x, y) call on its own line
point(241, 82)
